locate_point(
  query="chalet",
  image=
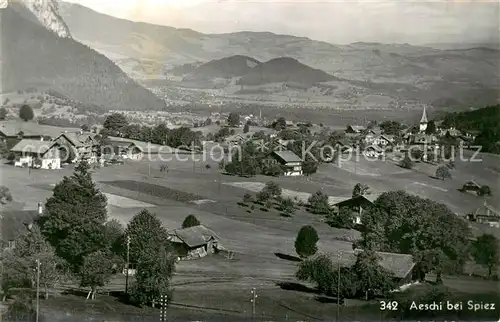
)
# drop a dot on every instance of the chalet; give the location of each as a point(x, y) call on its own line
point(486, 214)
point(374, 151)
point(127, 150)
point(14, 224)
point(83, 145)
point(355, 129)
point(289, 161)
point(424, 140)
point(384, 140)
point(194, 242)
point(37, 154)
point(236, 139)
point(371, 135)
point(400, 265)
point(470, 186)
point(359, 204)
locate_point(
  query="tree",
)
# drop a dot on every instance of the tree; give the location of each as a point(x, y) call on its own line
point(153, 274)
point(287, 205)
point(233, 119)
point(115, 123)
point(26, 113)
point(485, 251)
point(3, 113)
point(309, 166)
point(190, 221)
point(305, 243)
point(443, 172)
point(391, 127)
point(318, 203)
point(407, 162)
point(402, 223)
point(22, 309)
point(146, 234)
point(342, 219)
point(359, 190)
point(319, 270)
point(114, 236)
point(75, 217)
point(5, 195)
point(431, 128)
point(96, 271)
point(247, 198)
point(273, 189)
point(484, 191)
point(371, 276)
point(279, 124)
point(30, 248)
point(207, 122)
point(84, 127)
point(246, 128)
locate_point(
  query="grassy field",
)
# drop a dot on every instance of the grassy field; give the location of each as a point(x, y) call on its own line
point(259, 238)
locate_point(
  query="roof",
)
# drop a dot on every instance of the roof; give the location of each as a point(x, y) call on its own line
point(287, 156)
point(33, 146)
point(487, 210)
point(376, 148)
point(13, 223)
point(398, 264)
point(387, 137)
point(194, 236)
point(78, 139)
point(368, 197)
point(472, 182)
point(357, 128)
point(424, 116)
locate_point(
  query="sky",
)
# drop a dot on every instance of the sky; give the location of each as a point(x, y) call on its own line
point(335, 21)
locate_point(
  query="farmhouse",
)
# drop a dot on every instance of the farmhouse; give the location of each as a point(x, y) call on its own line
point(14, 224)
point(486, 215)
point(127, 150)
point(194, 242)
point(83, 145)
point(374, 151)
point(358, 204)
point(37, 154)
point(384, 140)
point(355, 129)
point(371, 136)
point(289, 161)
point(470, 186)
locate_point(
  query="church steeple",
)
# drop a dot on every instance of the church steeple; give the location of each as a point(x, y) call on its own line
point(423, 121)
point(424, 117)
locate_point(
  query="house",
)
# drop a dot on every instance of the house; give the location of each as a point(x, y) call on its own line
point(401, 265)
point(83, 145)
point(355, 129)
point(374, 151)
point(359, 204)
point(486, 214)
point(14, 224)
point(423, 121)
point(384, 140)
point(127, 150)
point(37, 154)
point(470, 186)
point(194, 242)
point(17, 130)
point(289, 161)
point(236, 139)
point(423, 139)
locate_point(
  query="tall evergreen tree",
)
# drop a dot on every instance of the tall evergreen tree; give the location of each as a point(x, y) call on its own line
point(75, 217)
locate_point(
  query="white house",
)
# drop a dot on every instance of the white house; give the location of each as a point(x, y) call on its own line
point(290, 161)
point(37, 154)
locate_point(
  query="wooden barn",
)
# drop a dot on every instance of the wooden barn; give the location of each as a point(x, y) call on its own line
point(194, 242)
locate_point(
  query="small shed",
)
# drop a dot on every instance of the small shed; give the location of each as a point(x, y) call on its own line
point(470, 186)
point(194, 242)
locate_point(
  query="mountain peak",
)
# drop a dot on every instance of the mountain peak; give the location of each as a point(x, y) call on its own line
point(47, 13)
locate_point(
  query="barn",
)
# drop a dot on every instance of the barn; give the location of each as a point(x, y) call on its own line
point(194, 242)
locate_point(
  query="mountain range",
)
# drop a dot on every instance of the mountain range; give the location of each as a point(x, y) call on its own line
point(353, 74)
point(38, 51)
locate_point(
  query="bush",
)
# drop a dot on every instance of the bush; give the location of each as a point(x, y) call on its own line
point(190, 221)
point(247, 198)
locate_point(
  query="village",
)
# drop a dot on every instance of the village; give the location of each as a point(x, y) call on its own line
point(243, 234)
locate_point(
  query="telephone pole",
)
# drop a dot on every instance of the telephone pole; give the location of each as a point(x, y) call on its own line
point(253, 300)
point(128, 264)
point(37, 288)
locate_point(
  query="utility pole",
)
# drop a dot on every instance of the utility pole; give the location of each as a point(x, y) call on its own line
point(128, 264)
point(253, 300)
point(37, 288)
point(338, 288)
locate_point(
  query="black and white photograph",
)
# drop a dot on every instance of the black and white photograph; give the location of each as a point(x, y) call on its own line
point(249, 160)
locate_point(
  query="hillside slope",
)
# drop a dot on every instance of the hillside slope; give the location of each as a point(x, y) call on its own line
point(227, 67)
point(38, 57)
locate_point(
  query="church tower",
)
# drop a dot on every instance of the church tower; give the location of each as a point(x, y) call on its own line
point(423, 121)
